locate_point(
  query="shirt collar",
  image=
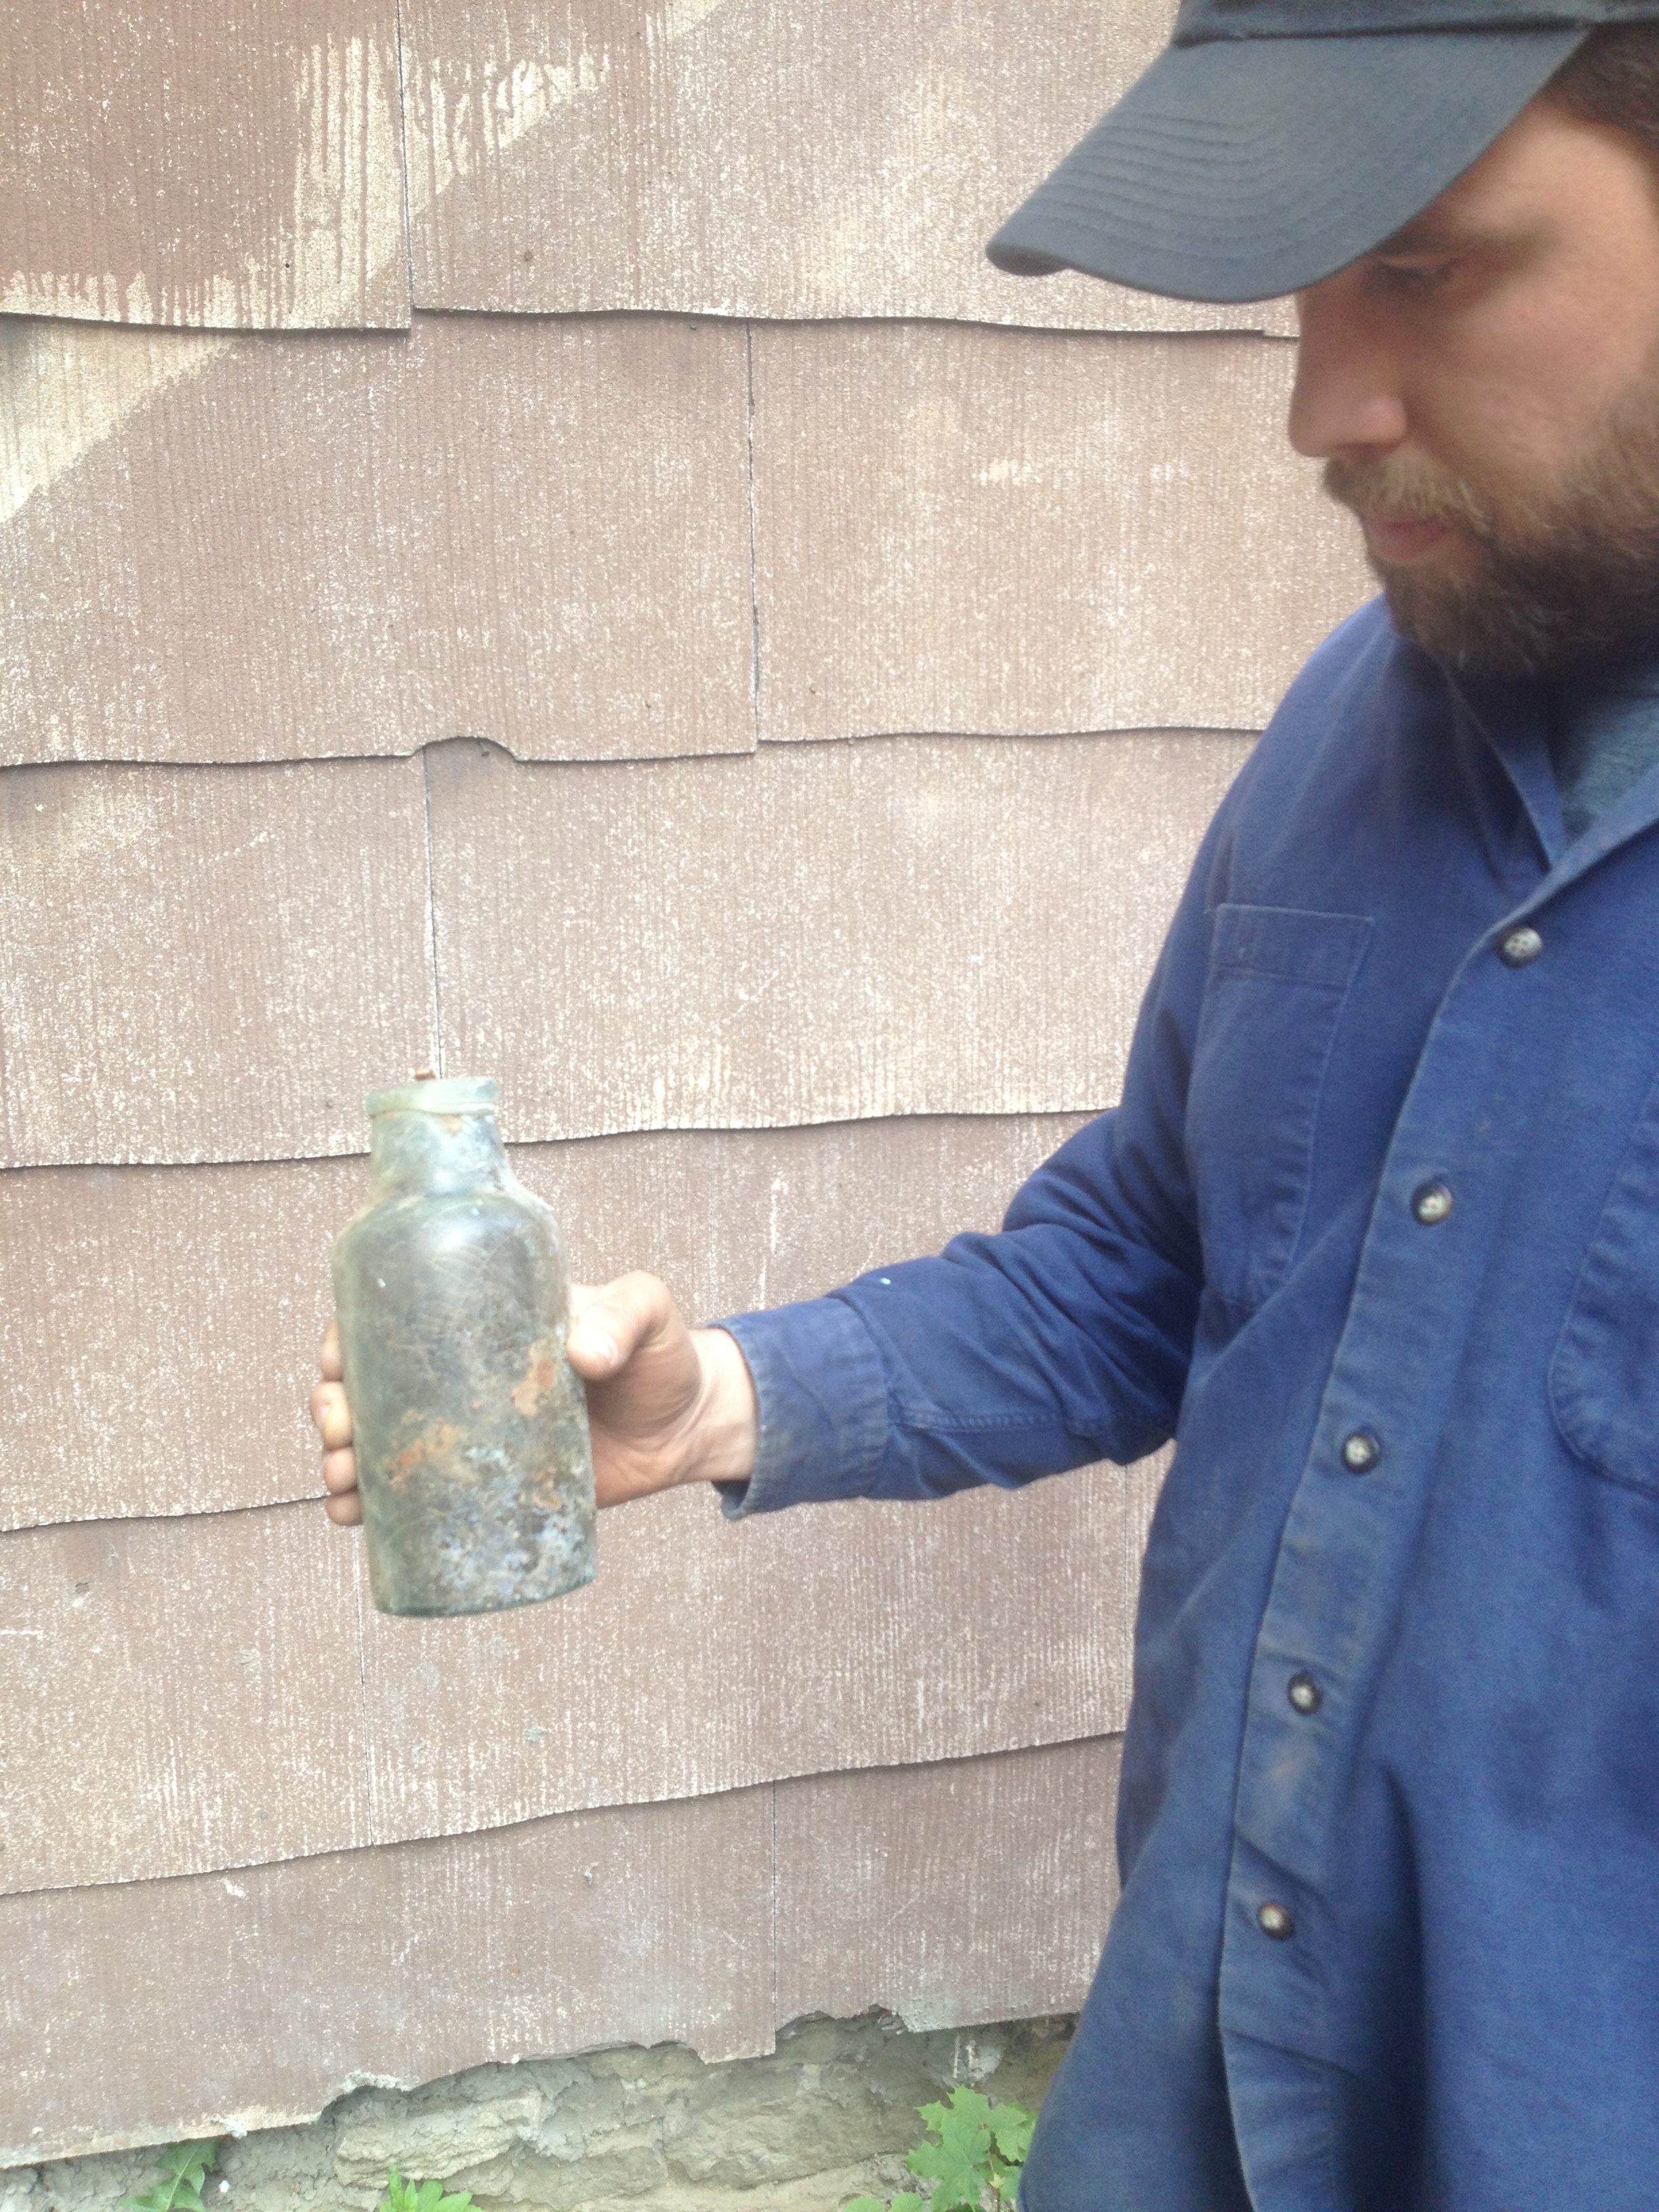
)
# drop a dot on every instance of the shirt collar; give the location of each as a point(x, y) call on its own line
point(1512, 717)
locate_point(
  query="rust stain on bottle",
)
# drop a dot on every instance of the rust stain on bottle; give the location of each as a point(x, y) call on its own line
point(539, 1377)
point(435, 1446)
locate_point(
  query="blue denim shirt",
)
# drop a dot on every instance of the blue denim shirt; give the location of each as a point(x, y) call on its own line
point(1375, 1236)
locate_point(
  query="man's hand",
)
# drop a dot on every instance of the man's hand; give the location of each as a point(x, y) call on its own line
point(665, 1403)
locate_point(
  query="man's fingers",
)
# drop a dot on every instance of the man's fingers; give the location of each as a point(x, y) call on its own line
point(340, 1470)
point(331, 1414)
point(609, 1323)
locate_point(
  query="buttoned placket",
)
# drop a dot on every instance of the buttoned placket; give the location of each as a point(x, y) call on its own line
point(1354, 1518)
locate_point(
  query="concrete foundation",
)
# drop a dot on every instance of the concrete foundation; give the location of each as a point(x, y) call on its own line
point(827, 2116)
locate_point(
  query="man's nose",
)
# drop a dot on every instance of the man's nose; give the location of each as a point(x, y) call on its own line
point(1347, 397)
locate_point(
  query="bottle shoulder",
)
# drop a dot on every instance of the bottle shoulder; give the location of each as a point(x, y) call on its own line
point(441, 1219)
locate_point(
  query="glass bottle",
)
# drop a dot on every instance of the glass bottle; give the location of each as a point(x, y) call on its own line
point(469, 1423)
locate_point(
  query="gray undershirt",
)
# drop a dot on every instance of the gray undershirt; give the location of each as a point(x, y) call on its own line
point(1604, 736)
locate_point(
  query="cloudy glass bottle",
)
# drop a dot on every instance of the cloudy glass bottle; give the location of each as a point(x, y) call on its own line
point(469, 1423)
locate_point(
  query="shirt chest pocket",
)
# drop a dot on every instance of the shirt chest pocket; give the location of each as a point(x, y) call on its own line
point(1277, 978)
point(1604, 1376)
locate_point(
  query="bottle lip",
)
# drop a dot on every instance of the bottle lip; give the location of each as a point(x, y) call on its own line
point(443, 1094)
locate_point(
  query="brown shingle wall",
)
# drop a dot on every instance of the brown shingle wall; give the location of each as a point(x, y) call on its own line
point(867, 1863)
point(216, 964)
point(255, 1998)
point(207, 964)
point(570, 536)
point(533, 531)
point(719, 156)
point(771, 1005)
point(812, 933)
point(185, 1694)
point(1014, 530)
point(641, 1923)
point(170, 1689)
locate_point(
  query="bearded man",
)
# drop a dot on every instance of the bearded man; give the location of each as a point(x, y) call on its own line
point(1375, 1232)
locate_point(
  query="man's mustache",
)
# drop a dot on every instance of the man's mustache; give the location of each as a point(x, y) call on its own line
point(1405, 492)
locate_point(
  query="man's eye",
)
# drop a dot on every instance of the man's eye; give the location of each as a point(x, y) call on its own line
point(1415, 277)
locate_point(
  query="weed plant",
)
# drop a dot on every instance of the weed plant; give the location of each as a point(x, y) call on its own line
point(972, 2153)
point(177, 2187)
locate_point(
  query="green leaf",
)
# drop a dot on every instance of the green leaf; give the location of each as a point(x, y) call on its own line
point(1011, 2125)
point(400, 2196)
point(403, 2196)
point(178, 2187)
point(908, 2201)
point(962, 2163)
point(957, 2175)
point(868, 2204)
point(955, 2186)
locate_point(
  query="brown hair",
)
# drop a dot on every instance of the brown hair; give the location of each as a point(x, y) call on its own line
point(1614, 78)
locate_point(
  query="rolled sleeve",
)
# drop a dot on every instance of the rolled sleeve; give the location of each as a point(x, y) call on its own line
point(823, 1398)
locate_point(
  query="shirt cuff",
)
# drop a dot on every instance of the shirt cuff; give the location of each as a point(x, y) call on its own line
point(823, 1397)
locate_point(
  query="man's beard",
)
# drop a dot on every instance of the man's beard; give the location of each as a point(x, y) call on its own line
point(1550, 579)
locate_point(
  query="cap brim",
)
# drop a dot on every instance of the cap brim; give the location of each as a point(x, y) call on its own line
point(1243, 168)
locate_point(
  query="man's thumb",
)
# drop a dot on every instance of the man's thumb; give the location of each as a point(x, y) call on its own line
point(609, 1323)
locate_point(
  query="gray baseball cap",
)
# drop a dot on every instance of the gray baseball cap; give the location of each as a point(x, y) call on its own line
point(1274, 142)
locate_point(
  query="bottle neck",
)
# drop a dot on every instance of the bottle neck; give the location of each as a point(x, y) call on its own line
point(421, 1151)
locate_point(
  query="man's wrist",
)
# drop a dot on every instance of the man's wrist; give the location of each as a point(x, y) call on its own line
point(725, 1424)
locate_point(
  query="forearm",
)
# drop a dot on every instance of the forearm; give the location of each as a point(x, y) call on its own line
point(1004, 1359)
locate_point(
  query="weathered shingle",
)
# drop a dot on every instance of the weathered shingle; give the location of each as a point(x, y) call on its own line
point(209, 964)
point(188, 1694)
point(539, 532)
point(282, 548)
point(176, 1694)
point(162, 162)
point(985, 530)
point(977, 1889)
point(914, 926)
point(216, 964)
point(950, 1893)
point(153, 2011)
point(802, 1643)
point(740, 158)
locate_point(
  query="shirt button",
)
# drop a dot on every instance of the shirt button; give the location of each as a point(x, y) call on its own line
point(1273, 1920)
point(1520, 946)
point(1304, 1693)
point(1431, 1202)
point(1360, 1452)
